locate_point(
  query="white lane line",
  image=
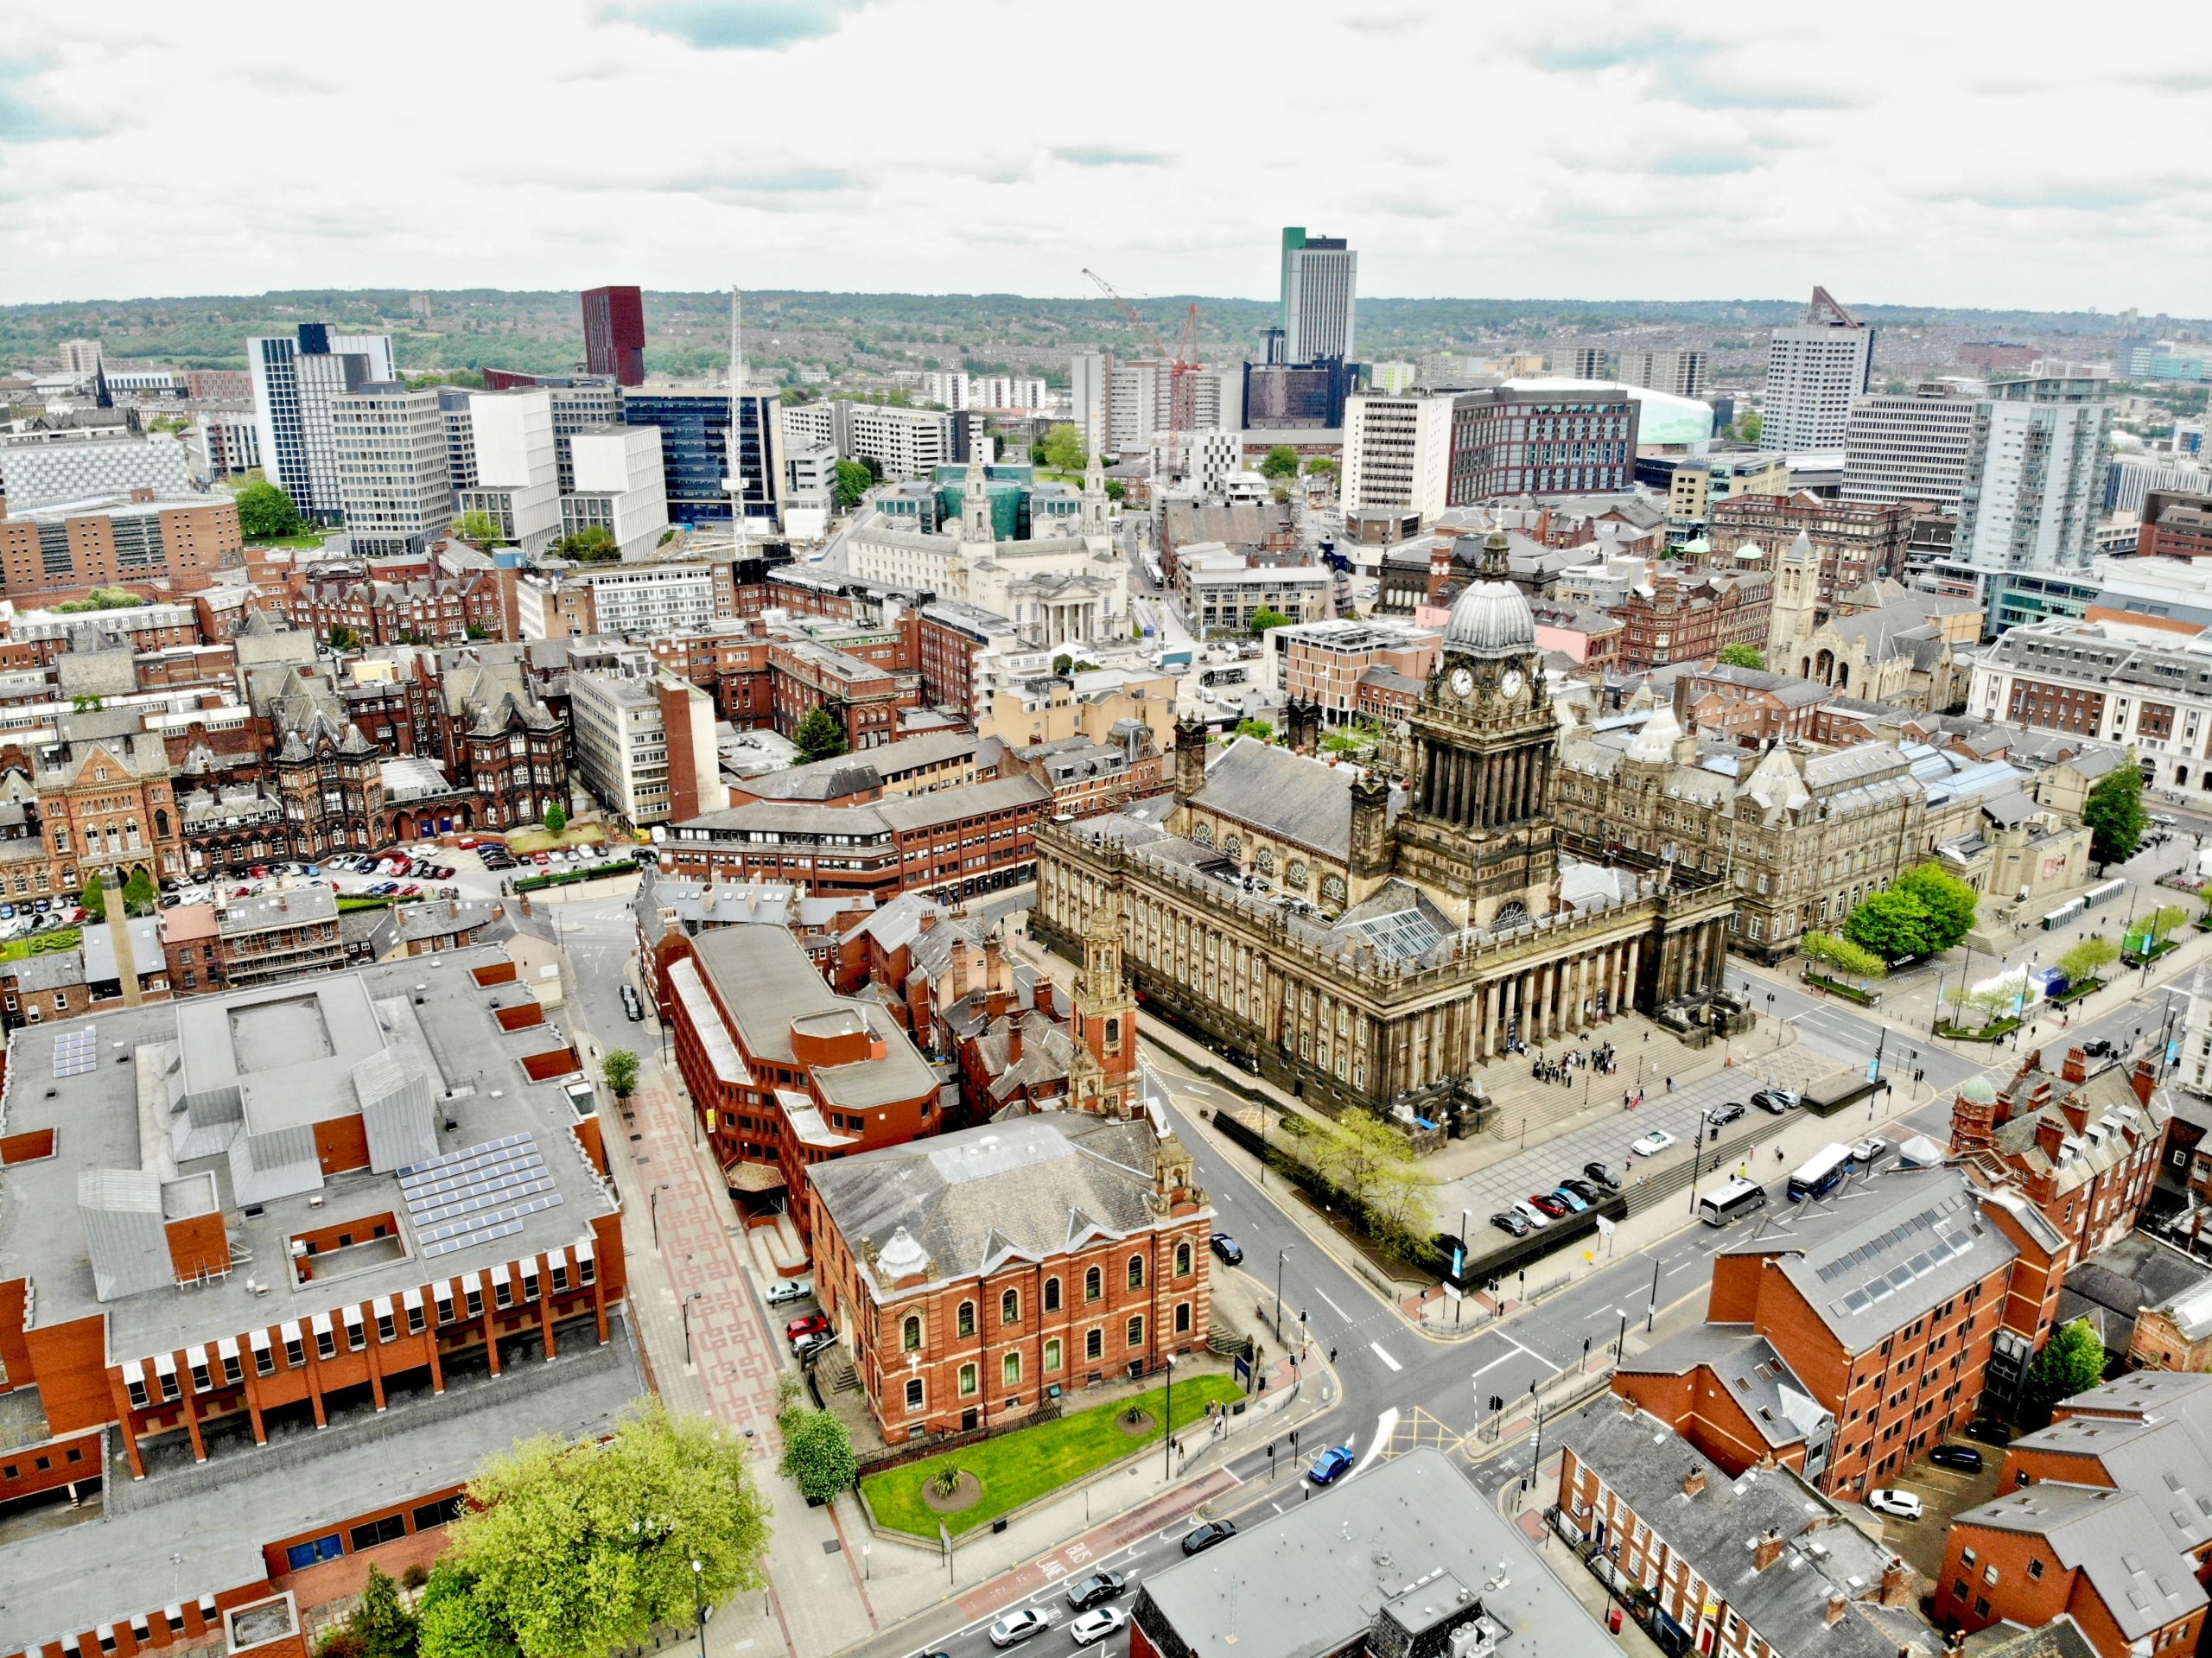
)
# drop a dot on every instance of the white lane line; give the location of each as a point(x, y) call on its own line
point(1685, 1266)
point(1376, 1348)
point(1333, 1307)
point(1384, 1424)
point(1531, 1352)
point(1492, 1365)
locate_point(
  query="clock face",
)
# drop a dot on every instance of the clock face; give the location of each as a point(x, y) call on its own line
point(1512, 683)
point(1462, 680)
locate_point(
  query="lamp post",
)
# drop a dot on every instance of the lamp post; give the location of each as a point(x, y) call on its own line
point(699, 1595)
point(1620, 1344)
point(1280, 1254)
point(696, 1295)
point(1697, 1154)
point(1460, 1269)
point(1168, 1429)
point(652, 1208)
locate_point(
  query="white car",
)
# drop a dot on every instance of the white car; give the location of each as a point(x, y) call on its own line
point(1529, 1212)
point(1097, 1623)
point(1904, 1504)
point(1869, 1151)
point(1653, 1143)
point(1018, 1626)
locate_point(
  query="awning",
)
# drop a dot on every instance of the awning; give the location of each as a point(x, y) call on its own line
point(258, 1340)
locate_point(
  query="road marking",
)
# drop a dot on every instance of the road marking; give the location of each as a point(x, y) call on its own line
point(1338, 1310)
point(1384, 1425)
point(1530, 1351)
point(1492, 1365)
point(1376, 1348)
point(1671, 1271)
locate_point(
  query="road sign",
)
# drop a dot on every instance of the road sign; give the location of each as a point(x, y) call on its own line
point(1604, 1227)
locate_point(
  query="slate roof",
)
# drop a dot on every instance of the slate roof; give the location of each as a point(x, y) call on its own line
point(2060, 1638)
point(2161, 1461)
point(2113, 1538)
point(1280, 792)
point(1758, 1378)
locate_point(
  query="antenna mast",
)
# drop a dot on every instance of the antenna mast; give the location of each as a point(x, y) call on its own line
point(735, 482)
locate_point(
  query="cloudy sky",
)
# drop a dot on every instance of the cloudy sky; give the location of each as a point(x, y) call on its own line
point(1957, 153)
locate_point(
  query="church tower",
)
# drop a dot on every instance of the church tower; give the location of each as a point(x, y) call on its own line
point(976, 503)
point(1102, 1077)
point(1095, 499)
point(1796, 600)
point(1482, 742)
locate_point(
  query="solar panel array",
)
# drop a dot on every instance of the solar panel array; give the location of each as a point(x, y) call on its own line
point(1401, 935)
point(478, 1194)
point(75, 1053)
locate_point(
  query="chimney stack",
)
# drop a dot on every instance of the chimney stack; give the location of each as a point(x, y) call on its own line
point(1693, 1481)
point(2144, 1079)
point(1837, 1602)
point(1013, 1042)
point(2076, 1066)
point(2050, 1136)
point(1897, 1584)
point(1769, 1550)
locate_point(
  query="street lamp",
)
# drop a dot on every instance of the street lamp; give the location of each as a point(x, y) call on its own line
point(1620, 1345)
point(696, 1295)
point(699, 1596)
point(1167, 1430)
point(1697, 1155)
point(652, 1208)
point(1280, 1254)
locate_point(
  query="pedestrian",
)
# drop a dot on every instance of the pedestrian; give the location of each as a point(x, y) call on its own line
point(1333, 1355)
point(1670, 1085)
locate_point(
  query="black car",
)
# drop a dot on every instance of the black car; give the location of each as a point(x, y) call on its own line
point(1774, 1100)
point(1448, 1244)
point(2097, 1047)
point(1510, 1223)
point(1989, 1433)
point(1584, 1190)
point(1230, 1251)
point(1604, 1175)
point(1100, 1586)
point(1727, 1113)
point(1964, 1457)
point(1201, 1538)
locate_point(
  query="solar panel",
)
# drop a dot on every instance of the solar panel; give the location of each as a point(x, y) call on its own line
point(460, 1199)
point(75, 1053)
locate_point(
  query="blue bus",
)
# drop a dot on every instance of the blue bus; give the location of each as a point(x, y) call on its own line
point(1821, 1175)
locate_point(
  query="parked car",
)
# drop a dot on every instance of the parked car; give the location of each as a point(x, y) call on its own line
point(1989, 1433)
point(1510, 1223)
point(1330, 1466)
point(1584, 1190)
point(1870, 1150)
point(1776, 1100)
point(786, 1291)
point(1227, 1249)
point(1604, 1175)
point(2098, 1047)
point(1727, 1113)
point(1531, 1217)
point(1653, 1143)
point(1018, 1626)
point(1552, 1206)
point(1571, 1199)
point(1904, 1504)
point(1963, 1458)
point(631, 1005)
point(1100, 1586)
point(808, 1324)
point(812, 1345)
point(1198, 1539)
point(1097, 1626)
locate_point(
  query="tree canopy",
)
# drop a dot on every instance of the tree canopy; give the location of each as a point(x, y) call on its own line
point(1842, 955)
point(819, 737)
point(1282, 463)
point(1923, 910)
point(1950, 901)
point(2071, 1362)
point(1268, 616)
point(571, 1551)
point(267, 512)
point(1743, 655)
point(2082, 962)
point(1063, 448)
point(818, 1452)
point(853, 480)
point(2114, 813)
point(592, 542)
point(480, 529)
point(557, 817)
point(619, 1071)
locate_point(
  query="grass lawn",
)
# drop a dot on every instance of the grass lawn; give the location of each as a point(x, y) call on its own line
point(286, 541)
point(1018, 1468)
point(538, 840)
point(16, 950)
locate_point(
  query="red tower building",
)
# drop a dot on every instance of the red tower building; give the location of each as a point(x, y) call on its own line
point(614, 334)
point(1102, 1077)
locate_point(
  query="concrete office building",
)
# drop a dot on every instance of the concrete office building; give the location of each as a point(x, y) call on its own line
point(1397, 453)
point(1816, 370)
point(516, 483)
point(389, 449)
point(1685, 373)
point(2035, 470)
point(614, 334)
point(1549, 437)
point(1585, 361)
point(1088, 397)
point(579, 403)
point(225, 442)
point(620, 484)
point(904, 442)
point(49, 469)
point(81, 357)
point(460, 437)
point(626, 747)
point(295, 380)
point(1912, 447)
point(1320, 281)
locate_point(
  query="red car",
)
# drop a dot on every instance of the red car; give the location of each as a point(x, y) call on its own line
point(814, 1324)
point(1551, 1206)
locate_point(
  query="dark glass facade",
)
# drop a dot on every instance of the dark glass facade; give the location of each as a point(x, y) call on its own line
point(694, 451)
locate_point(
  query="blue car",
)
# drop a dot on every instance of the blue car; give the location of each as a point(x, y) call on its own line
point(1570, 1200)
point(1330, 1466)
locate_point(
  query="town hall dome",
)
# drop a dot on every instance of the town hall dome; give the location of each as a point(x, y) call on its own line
point(1490, 618)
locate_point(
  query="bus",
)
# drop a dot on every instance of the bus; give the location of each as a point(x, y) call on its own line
point(1820, 1176)
point(1733, 1202)
point(1222, 676)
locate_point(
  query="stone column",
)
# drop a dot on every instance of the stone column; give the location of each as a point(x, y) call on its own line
point(1635, 968)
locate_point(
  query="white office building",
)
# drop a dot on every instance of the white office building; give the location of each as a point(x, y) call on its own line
point(903, 442)
point(581, 404)
point(657, 598)
point(44, 468)
point(1911, 446)
point(81, 360)
point(1816, 370)
point(621, 739)
point(296, 382)
point(517, 477)
point(1088, 398)
point(460, 437)
point(619, 486)
point(2035, 476)
point(389, 446)
point(225, 442)
point(946, 386)
point(1685, 373)
point(2129, 478)
point(1140, 402)
point(1397, 453)
point(1320, 282)
point(809, 423)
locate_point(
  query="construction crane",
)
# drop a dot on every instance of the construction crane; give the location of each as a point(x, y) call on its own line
point(1183, 362)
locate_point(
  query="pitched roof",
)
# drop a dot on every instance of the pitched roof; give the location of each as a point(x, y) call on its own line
point(1281, 792)
point(2113, 1538)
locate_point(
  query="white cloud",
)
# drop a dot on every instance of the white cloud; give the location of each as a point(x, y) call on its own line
point(1893, 152)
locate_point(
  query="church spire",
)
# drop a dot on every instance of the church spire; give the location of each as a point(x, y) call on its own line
point(976, 501)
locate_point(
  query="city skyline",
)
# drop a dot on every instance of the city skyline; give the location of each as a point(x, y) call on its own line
point(1617, 159)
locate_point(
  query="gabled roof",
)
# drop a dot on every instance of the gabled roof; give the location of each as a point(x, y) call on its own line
point(2113, 1538)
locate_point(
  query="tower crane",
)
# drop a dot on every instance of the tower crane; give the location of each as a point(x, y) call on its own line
point(1183, 361)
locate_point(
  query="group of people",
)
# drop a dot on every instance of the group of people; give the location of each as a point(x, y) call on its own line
point(1561, 1069)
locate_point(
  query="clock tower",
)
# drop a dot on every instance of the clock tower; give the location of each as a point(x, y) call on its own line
point(1482, 737)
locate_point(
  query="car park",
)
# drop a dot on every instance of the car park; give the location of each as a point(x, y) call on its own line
point(809, 1346)
point(1903, 1505)
point(1330, 1466)
point(1961, 1458)
point(1653, 1143)
point(1510, 1223)
point(809, 1323)
point(1095, 1589)
point(1227, 1249)
point(1551, 1206)
point(788, 1290)
point(1602, 1174)
point(1201, 1538)
point(1097, 1626)
point(1018, 1626)
point(1531, 1217)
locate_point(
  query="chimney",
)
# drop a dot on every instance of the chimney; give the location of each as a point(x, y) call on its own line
point(2050, 1134)
point(2144, 1079)
point(2076, 1068)
point(1897, 1584)
point(1837, 1601)
point(1013, 1044)
point(1769, 1550)
point(929, 921)
point(1693, 1481)
point(959, 968)
point(2077, 1115)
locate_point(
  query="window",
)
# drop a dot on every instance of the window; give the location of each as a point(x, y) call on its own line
point(1010, 1307)
point(265, 1361)
point(1094, 1345)
point(588, 1270)
point(503, 1292)
point(910, 1334)
point(296, 1352)
point(202, 1381)
point(325, 1341)
point(368, 1535)
point(965, 1322)
point(234, 1372)
point(913, 1392)
point(139, 1397)
point(431, 1515)
point(559, 1275)
point(1010, 1369)
point(1182, 1318)
point(1052, 1354)
point(1051, 1295)
point(1093, 1285)
point(1136, 1330)
point(967, 1381)
point(1183, 1260)
point(415, 1317)
point(1989, 1572)
point(1136, 1272)
point(475, 1298)
point(2035, 1568)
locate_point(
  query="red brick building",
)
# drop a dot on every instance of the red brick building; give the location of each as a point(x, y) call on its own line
point(1692, 617)
point(437, 610)
point(963, 1293)
point(864, 698)
point(1856, 541)
point(1750, 705)
point(2175, 525)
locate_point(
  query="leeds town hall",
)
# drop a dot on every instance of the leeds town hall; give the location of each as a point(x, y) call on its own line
point(1366, 942)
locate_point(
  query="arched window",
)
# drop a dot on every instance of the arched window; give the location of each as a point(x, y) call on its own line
point(1093, 1285)
point(1203, 834)
point(1332, 890)
point(1010, 1370)
point(1010, 1307)
point(1183, 1260)
point(1114, 1023)
point(1295, 875)
point(160, 823)
point(1094, 1345)
point(1053, 1357)
point(910, 1334)
point(967, 1319)
point(1136, 1272)
point(967, 1380)
point(1234, 846)
point(1051, 1295)
point(1264, 861)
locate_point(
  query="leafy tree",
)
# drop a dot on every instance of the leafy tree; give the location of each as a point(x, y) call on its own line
point(1344, 742)
point(480, 529)
point(578, 1549)
point(104, 599)
point(593, 542)
point(139, 895)
point(1951, 903)
point(1259, 728)
point(1282, 463)
point(1323, 468)
point(2086, 960)
point(1749, 428)
point(1063, 448)
point(852, 481)
point(1117, 490)
point(619, 1071)
point(1893, 925)
point(819, 737)
point(817, 1453)
point(557, 818)
point(267, 512)
point(478, 631)
point(1063, 664)
point(93, 898)
point(1268, 616)
point(1743, 655)
point(2156, 925)
point(1842, 955)
point(2071, 1362)
point(453, 1623)
point(2114, 813)
point(385, 1628)
point(345, 638)
point(874, 468)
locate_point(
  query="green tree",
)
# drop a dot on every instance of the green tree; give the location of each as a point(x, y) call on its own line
point(2086, 960)
point(1743, 655)
point(2071, 1362)
point(619, 1071)
point(2114, 813)
point(1063, 664)
point(593, 542)
point(557, 818)
point(1951, 902)
point(345, 638)
point(93, 899)
point(452, 1623)
point(817, 1453)
point(139, 895)
point(853, 480)
point(1282, 463)
point(478, 631)
point(1750, 427)
point(2152, 928)
point(1268, 616)
point(1894, 925)
point(1323, 468)
point(1841, 954)
point(480, 529)
point(575, 1550)
point(385, 1628)
point(1258, 728)
point(267, 513)
point(819, 737)
point(1063, 448)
